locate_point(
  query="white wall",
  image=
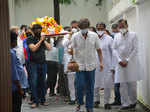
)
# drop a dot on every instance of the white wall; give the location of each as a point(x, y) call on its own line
point(144, 33)
point(83, 9)
point(12, 12)
point(26, 10)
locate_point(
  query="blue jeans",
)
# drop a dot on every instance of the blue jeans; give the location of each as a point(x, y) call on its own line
point(117, 93)
point(85, 81)
point(38, 82)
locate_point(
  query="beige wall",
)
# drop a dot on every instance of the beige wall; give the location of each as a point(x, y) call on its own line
point(26, 10)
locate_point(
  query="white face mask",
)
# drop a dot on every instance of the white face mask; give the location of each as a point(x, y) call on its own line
point(123, 31)
point(100, 33)
point(74, 30)
point(84, 31)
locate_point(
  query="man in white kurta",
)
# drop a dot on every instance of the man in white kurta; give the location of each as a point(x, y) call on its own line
point(127, 71)
point(104, 79)
point(67, 57)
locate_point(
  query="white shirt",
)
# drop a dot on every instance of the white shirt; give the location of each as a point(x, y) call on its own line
point(52, 55)
point(85, 50)
point(126, 49)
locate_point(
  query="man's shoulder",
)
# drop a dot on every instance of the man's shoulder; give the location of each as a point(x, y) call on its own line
point(30, 40)
point(132, 33)
point(92, 34)
point(77, 34)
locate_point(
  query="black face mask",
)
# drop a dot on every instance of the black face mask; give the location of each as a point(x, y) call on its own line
point(38, 34)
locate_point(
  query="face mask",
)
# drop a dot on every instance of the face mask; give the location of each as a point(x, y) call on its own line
point(84, 31)
point(123, 31)
point(74, 30)
point(100, 33)
point(38, 34)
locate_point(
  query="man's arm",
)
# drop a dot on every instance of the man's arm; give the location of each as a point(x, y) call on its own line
point(135, 49)
point(48, 45)
point(99, 52)
point(15, 77)
point(34, 47)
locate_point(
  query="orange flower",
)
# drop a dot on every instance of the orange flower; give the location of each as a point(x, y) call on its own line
point(48, 23)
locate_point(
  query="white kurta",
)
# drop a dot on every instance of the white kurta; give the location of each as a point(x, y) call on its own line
point(67, 44)
point(104, 79)
point(71, 75)
point(126, 48)
point(20, 51)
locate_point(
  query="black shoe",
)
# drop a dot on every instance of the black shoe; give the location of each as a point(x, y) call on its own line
point(52, 94)
point(96, 104)
point(107, 106)
point(72, 103)
point(124, 108)
point(115, 104)
point(133, 106)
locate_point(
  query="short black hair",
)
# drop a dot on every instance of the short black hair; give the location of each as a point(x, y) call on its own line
point(126, 22)
point(114, 26)
point(94, 29)
point(23, 26)
point(67, 28)
point(84, 23)
point(73, 22)
point(13, 37)
point(101, 23)
point(36, 26)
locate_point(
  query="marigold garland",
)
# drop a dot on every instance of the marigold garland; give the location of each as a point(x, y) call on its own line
point(49, 25)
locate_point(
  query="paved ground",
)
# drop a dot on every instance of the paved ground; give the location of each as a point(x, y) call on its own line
point(57, 104)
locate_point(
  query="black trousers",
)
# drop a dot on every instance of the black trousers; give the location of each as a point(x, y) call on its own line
point(52, 71)
point(117, 93)
point(63, 88)
point(16, 102)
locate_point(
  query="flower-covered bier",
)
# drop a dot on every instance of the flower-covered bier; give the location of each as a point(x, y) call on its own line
point(49, 25)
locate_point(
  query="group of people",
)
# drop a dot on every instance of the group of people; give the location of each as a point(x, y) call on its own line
point(103, 61)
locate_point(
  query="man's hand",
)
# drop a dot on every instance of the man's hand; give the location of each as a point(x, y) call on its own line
point(101, 67)
point(21, 92)
point(123, 63)
point(113, 71)
point(42, 38)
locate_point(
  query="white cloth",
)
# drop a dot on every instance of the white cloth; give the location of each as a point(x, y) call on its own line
point(67, 44)
point(126, 49)
point(85, 50)
point(107, 95)
point(71, 79)
point(52, 55)
point(96, 94)
point(128, 93)
point(104, 79)
point(20, 51)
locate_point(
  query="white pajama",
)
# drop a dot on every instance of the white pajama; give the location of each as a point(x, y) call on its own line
point(104, 79)
point(71, 79)
point(128, 91)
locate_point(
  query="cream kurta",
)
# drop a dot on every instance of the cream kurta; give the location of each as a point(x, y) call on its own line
point(126, 49)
